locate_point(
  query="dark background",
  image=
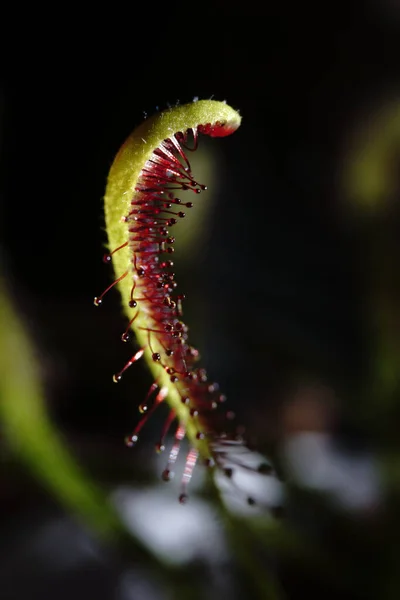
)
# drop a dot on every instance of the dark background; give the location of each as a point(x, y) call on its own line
point(279, 283)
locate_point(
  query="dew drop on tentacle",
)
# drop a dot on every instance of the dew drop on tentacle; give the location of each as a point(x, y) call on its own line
point(202, 375)
point(190, 464)
point(126, 336)
point(144, 406)
point(107, 257)
point(118, 376)
point(167, 264)
point(213, 387)
point(146, 411)
point(99, 299)
point(165, 429)
point(167, 474)
point(131, 440)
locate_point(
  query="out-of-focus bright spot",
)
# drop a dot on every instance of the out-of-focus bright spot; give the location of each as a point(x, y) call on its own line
point(372, 158)
point(351, 481)
point(176, 533)
point(248, 484)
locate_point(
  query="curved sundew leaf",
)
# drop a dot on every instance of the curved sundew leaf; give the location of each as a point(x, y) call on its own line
point(140, 208)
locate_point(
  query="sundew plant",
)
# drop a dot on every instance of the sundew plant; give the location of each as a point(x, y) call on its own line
point(142, 205)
